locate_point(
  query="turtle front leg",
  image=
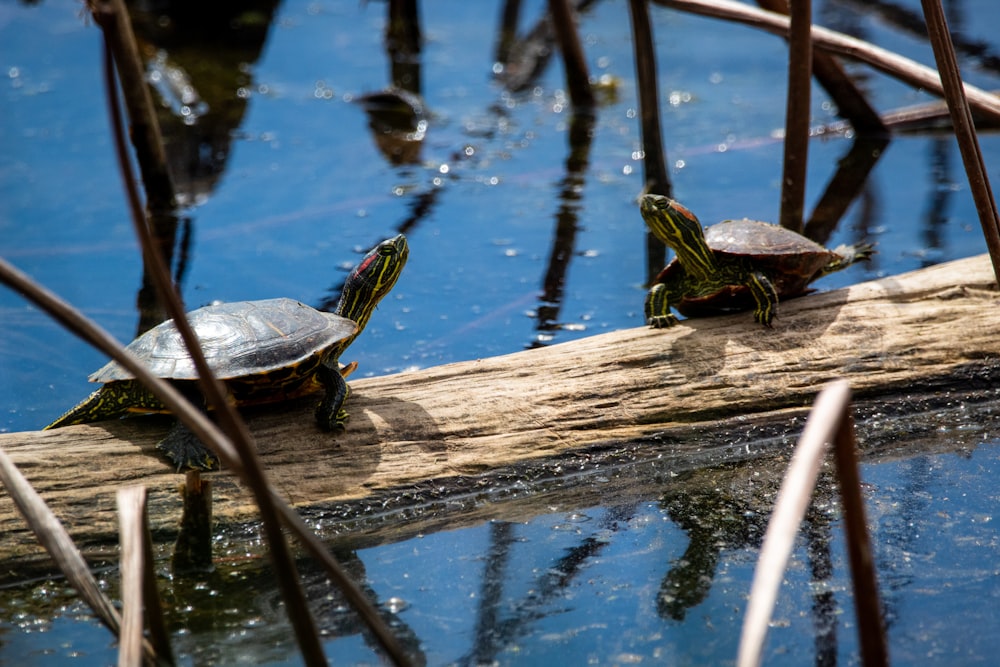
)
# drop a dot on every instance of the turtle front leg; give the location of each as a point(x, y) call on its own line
point(658, 313)
point(765, 295)
point(330, 414)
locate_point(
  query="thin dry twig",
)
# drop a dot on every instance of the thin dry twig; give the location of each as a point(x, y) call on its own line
point(240, 455)
point(53, 536)
point(137, 569)
point(796, 146)
point(790, 508)
point(199, 423)
point(829, 421)
point(965, 129)
point(136, 576)
point(116, 30)
point(886, 61)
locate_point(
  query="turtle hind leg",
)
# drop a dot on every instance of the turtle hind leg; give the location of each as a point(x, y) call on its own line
point(330, 413)
point(186, 451)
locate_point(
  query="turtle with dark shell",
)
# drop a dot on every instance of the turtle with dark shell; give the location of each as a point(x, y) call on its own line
point(264, 351)
point(733, 265)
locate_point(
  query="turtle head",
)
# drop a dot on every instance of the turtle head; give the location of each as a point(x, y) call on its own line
point(372, 279)
point(678, 228)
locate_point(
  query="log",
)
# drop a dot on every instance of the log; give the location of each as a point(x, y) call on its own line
point(926, 331)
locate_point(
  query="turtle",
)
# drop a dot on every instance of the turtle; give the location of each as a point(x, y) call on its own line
point(734, 265)
point(264, 351)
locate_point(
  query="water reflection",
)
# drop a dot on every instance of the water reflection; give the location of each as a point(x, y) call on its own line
point(502, 622)
point(909, 20)
point(198, 62)
point(848, 183)
point(570, 196)
point(522, 57)
point(206, 113)
point(208, 52)
point(642, 553)
point(939, 195)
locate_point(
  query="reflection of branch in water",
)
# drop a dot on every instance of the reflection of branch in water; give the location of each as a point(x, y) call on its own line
point(901, 532)
point(978, 53)
point(251, 590)
point(485, 641)
point(396, 115)
point(844, 187)
point(421, 206)
point(551, 583)
point(580, 135)
point(940, 194)
point(520, 61)
point(824, 608)
point(403, 42)
point(507, 31)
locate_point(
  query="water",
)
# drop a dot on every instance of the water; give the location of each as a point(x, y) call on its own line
point(293, 188)
point(659, 575)
point(302, 189)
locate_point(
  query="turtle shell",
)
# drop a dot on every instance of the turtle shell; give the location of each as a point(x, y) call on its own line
point(259, 341)
point(789, 260)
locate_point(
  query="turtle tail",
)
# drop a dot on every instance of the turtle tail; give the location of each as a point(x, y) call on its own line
point(847, 255)
point(91, 409)
point(110, 402)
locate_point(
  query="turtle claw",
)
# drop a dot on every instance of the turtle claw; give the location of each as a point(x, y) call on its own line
point(661, 321)
point(765, 317)
point(339, 423)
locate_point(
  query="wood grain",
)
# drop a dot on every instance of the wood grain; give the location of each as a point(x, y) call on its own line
point(920, 331)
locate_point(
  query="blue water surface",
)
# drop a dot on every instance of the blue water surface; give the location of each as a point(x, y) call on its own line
point(305, 191)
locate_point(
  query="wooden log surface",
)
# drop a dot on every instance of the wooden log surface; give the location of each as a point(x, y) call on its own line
point(926, 330)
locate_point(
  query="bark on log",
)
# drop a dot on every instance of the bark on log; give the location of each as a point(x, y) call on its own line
point(926, 330)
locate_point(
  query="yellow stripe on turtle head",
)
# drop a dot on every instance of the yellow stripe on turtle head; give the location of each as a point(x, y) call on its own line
point(372, 279)
point(680, 229)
